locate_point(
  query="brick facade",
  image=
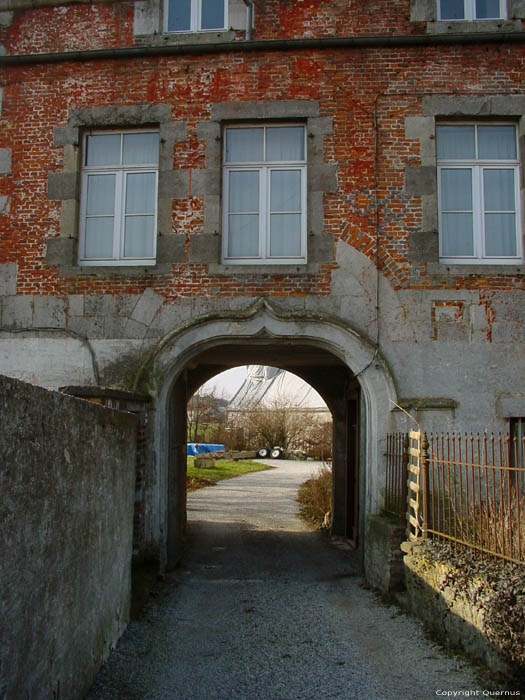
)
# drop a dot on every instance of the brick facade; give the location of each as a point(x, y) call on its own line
point(368, 93)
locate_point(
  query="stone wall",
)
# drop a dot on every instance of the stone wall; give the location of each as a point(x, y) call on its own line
point(67, 478)
point(383, 556)
point(445, 604)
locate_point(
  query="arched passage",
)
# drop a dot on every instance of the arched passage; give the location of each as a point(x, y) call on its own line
point(340, 364)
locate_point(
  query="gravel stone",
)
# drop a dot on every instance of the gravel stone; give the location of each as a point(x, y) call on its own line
point(264, 608)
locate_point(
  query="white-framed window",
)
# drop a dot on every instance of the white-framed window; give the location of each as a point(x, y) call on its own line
point(195, 15)
point(118, 206)
point(471, 9)
point(478, 192)
point(264, 198)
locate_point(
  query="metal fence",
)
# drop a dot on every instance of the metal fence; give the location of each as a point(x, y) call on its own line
point(396, 481)
point(463, 488)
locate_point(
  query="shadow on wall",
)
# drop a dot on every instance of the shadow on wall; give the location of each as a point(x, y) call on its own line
point(67, 478)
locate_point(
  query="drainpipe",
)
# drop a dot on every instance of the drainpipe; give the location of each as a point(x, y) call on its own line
point(249, 19)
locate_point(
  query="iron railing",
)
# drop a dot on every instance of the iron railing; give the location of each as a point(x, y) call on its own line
point(396, 474)
point(476, 492)
point(466, 489)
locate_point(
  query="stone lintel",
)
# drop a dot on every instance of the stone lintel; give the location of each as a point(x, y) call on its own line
point(134, 115)
point(276, 109)
point(474, 106)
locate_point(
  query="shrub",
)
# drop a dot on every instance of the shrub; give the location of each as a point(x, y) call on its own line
point(315, 497)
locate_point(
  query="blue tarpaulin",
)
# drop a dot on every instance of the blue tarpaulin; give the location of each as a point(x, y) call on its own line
point(198, 448)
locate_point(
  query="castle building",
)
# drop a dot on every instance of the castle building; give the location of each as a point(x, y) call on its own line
point(330, 187)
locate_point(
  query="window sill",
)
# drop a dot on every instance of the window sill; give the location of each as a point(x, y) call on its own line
point(173, 38)
point(114, 270)
point(484, 26)
point(476, 269)
point(263, 269)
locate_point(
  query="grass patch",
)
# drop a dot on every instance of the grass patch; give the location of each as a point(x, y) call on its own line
point(198, 478)
point(315, 497)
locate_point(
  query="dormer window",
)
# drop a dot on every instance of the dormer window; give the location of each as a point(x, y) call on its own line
point(450, 10)
point(195, 15)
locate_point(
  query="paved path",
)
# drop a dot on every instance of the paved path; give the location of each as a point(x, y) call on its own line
point(265, 609)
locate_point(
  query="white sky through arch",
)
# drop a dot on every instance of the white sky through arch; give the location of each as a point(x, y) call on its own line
point(226, 383)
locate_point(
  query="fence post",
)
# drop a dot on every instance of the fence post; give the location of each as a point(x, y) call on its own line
point(405, 475)
point(424, 483)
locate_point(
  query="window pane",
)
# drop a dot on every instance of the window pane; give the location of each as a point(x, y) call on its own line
point(243, 191)
point(212, 16)
point(455, 143)
point(452, 9)
point(138, 237)
point(285, 235)
point(500, 235)
point(100, 194)
point(99, 237)
point(285, 143)
point(103, 149)
point(456, 236)
point(456, 189)
point(244, 145)
point(243, 235)
point(497, 142)
point(179, 15)
point(285, 190)
point(140, 193)
point(140, 148)
point(498, 188)
point(487, 9)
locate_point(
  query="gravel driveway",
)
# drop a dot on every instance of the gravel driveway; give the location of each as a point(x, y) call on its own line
point(264, 608)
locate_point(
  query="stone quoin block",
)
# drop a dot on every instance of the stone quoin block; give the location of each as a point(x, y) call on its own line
point(8, 279)
point(63, 186)
point(5, 161)
point(204, 248)
point(420, 180)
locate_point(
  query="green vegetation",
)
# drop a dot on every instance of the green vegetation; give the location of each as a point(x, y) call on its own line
point(198, 478)
point(315, 498)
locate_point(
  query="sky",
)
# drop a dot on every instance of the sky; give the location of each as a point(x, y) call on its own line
point(226, 383)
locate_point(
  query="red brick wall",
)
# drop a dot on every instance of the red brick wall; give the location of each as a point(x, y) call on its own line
point(94, 26)
point(356, 87)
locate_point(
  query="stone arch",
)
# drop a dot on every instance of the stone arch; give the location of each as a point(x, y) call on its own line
point(260, 325)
